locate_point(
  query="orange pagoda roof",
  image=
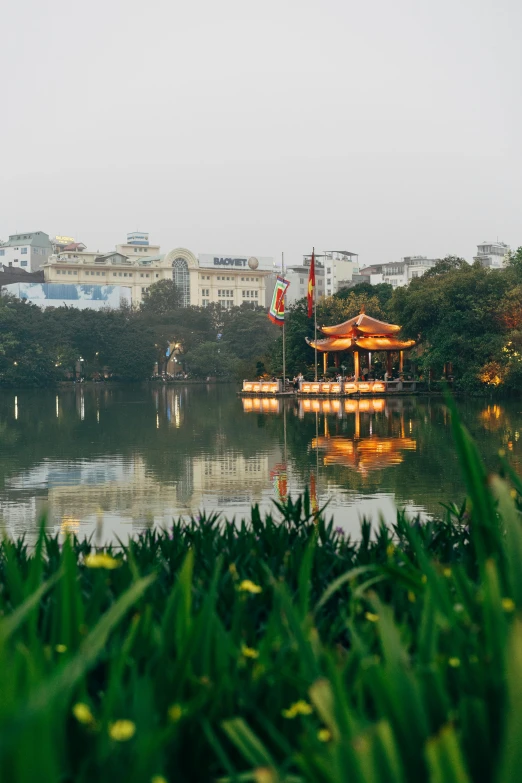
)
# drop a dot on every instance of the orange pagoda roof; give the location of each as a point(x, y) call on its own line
point(361, 324)
point(362, 344)
point(361, 333)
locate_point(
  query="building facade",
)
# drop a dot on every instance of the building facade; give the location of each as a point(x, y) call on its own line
point(28, 251)
point(297, 276)
point(492, 254)
point(339, 268)
point(203, 280)
point(396, 273)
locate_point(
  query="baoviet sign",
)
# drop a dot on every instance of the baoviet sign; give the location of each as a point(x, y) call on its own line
point(230, 261)
point(63, 240)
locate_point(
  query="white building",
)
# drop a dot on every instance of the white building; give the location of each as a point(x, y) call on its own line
point(228, 280)
point(397, 273)
point(492, 254)
point(339, 267)
point(28, 251)
point(297, 276)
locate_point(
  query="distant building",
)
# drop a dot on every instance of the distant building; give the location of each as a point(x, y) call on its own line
point(137, 245)
point(227, 280)
point(339, 265)
point(492, 254)
point(28, 251)
point(298, 279)
point(396, 273)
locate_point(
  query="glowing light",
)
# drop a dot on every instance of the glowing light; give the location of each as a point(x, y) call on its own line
point(57, 407)
point(16, 408)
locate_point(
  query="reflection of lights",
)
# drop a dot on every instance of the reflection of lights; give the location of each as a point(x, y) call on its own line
point(57, 406)
point(157, 421)
point(365, 454)
point(98, 416)
point(16, 408)
point(177, 415)
point(82, 407)
point(266, 404)
point(69, 525)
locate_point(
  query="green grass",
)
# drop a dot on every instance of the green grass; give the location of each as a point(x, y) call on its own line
point(401, 650)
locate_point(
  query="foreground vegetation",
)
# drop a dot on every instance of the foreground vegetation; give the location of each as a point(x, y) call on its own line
point(273, 650)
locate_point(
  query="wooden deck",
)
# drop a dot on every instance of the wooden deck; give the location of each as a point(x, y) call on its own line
point(328, 389)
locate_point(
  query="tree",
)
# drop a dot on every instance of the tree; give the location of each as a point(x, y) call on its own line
point(445, 265)
point(162, 298)
point(212, 359)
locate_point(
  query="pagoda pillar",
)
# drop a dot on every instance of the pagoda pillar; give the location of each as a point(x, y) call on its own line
point(389, 364)
point(325, 362)
point(356, 368)
point(401, 362)
point(336, 358)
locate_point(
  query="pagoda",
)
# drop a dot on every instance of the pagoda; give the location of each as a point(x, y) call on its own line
point(362, 334)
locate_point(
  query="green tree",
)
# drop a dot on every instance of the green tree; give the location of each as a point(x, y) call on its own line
point(162, 298)
point(212, 359)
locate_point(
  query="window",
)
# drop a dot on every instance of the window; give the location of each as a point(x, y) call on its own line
point(205, 302)
point(242, 279)
point(15, 260)
point(87, 273)
point(147, 275)
point(2, 252)
point(69, 272)
point(414, 274)
point(157, 276)
point(256, 294)
point(301, 280)
point(23, 262)
point(181, 277)
point(98, 274)
point(328, 281)
point(23, 251)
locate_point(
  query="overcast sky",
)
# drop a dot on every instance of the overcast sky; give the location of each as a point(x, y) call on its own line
point(386, 127)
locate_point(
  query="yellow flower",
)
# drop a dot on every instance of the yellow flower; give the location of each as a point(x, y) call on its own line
point(411, 597)
point(175, 712)
point(300, 707)
point(454, 662)
point(508, 605)
point(82, 713)
point(390, 549)
point(61, 648)
point(102, 560)
point(233, 570)
point(424, 579)
point(249, 652)
point(247, 586)
point(371, 617)
point(158, 779)
point(122, 730)
point(323, 735)
point(447, 572)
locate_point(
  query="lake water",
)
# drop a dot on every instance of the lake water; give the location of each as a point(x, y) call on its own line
point(117, 460)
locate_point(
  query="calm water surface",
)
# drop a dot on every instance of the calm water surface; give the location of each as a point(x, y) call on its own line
point(118, 460)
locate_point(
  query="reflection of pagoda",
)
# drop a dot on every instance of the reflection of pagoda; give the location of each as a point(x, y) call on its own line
point(362, 334)
point(363, 454)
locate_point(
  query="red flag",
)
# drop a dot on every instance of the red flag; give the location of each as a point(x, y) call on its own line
point(311, 286)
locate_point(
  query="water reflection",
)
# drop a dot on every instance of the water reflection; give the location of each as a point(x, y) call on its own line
point(113, 461)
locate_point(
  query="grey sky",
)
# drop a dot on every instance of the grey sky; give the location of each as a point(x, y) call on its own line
point(387, 127)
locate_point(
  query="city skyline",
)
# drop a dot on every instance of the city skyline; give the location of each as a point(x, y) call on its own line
point(392, 128)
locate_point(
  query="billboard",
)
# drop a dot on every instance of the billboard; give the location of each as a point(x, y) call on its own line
point(83, 297)
point(236, 262)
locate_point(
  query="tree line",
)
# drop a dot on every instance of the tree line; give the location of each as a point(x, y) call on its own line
point(464, 316)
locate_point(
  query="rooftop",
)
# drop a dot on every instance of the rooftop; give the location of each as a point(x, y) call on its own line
point(37, 238)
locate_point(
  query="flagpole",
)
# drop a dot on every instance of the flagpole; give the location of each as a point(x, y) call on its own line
point(284, 319)
point(315, 315)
